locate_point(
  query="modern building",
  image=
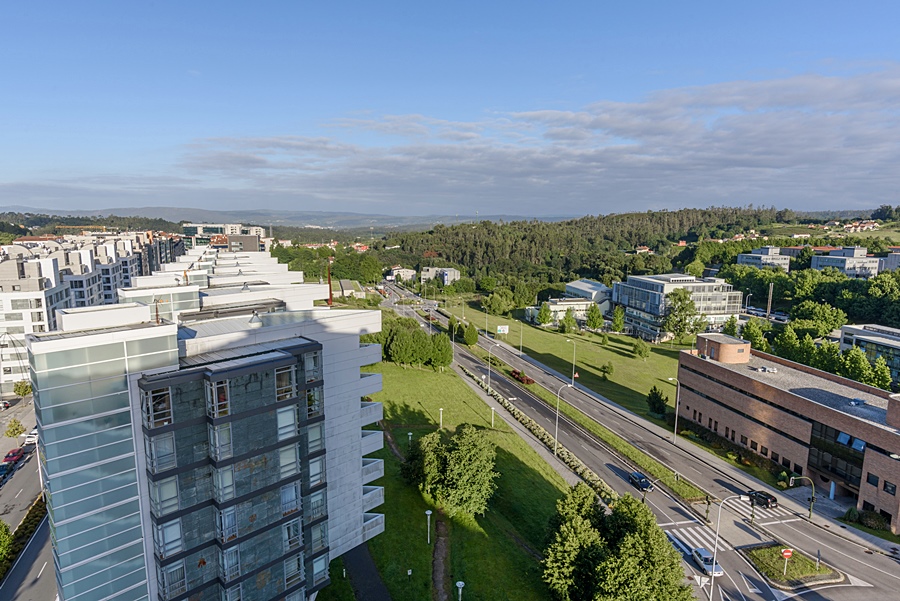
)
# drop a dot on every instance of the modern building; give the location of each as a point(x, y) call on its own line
point(592, 290)
point(875, 341)
point(842, 434)
point(767, 256)
point(889, 262)
point(794, 251)
point(233, 236)
point(447, 275)
point(559, 307)
point(402, 274)
point(644, 300)
point(219, 459)
point(850, 260)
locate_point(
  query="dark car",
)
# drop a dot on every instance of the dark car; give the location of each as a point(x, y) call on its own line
point(5, 470)
point(761, 498)
point(640, 481)
point(13, 456)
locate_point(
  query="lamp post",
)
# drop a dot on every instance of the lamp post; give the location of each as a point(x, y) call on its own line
point(521, 330)
point(747, 304)
point(556, 432)
point(573, 360)
point(409, 436)
point(428, 517)
point(485, 325)
point(712, 577)
point(677, 403)
point(812, 499)
point(459, 585)
point(490, 348)
point(441, 411)
point(644, 491)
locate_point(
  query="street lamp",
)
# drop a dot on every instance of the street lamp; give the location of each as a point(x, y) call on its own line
point(677, 403)
point(460, 584)
point(747, 304)
point(441, 410)
point(812, 499)
point(490, 348)
point(428, 517)
point(573, 360)
point(556, 432)
point(409, 435)
point(712, 577)
point(521, 329)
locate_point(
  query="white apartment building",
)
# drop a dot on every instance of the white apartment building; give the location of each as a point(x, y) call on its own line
point(850, 260)
point(767, 256)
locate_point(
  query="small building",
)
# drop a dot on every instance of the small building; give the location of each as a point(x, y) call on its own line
point(890, 262)
point(446, 275)
point(559, 307)
point(592, 290)
point(402, 274)
point(852, 261)
point(767, 256)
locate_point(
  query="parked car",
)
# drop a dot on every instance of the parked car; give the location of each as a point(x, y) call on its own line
point(761, 498)
point(14, 455)
point(640, 481)
point(4, 405)
point(32, 437)
point(5, 470)
point(704, 560)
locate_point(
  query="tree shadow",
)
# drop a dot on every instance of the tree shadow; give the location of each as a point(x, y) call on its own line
point(397, 414)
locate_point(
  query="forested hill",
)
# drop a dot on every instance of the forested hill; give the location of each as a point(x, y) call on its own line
point(589, 246)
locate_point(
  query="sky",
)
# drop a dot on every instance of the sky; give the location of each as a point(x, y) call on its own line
point(418, 108)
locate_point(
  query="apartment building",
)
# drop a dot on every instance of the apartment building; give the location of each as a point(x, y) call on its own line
point(767, 256)
point(644, 300)
point(843, 435)
point(850, 260)
point(446, 275)
point(222, 458)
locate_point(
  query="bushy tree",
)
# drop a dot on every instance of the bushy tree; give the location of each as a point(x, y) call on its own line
point(441, 351)
point(568, 324)
point(499, 302)
point(826, 317)
point(881, 374)
point(787, 344)
point(487, 283)
point(451, 326)
point(544, 316)
point(14, 428)
point(471, 335)
point(731, 326)
point(752, 332)
point(604, 339)
point(641, 349)
point(594, 319)
point(468, 480)
point(618, 319)
point(657, 401)
point(22, 388)
point(855, 365)
point(681, 314)
point(6, 543)
point(606, 370)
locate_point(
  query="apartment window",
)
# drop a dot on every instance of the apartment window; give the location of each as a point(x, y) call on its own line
point(287, 422)
point(775, 457)
point(220, 441)
point(320, 569)
point(288, 461)
point(786, 462)
point(312, 366)
point(7, 370)
point(732, 436)
point(217, 399)
point(695, 415)
point(868, 506)
point(316, 506)
point(872, 479)
point(164, 496)
point(753, 445)
point(727, 431)
point(293, 570)
point(744, 440)
point(318, 535)
point(315, 439)
point(160, 452)
point(230, 563)
point(798, 470)
point(313, 402)
point(37, 316)
point(890, 488)
point(157, 407)
point(171, 580)
point(716, 426)
point(700, 417)
point(285, 383)
point(223, 483)
point(764, 451)
point(167, 538)
point(290, 498)
point(226, 523)
point(292, 535)
point(233, 593)
point(316, 471)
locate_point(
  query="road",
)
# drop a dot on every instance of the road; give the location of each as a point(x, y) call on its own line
point(686, 528)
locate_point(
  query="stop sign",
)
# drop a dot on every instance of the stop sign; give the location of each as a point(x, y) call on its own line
point(786, 553)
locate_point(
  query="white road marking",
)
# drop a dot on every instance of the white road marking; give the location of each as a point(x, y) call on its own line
point(679, 523)
point(780, 522)
point(21, 490)
point(42, 569)
point(749, 586)
point(847, 555)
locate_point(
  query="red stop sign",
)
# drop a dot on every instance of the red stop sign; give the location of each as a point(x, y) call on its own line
point(786, 553)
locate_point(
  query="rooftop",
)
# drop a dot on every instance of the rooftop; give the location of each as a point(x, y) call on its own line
point(723, 338)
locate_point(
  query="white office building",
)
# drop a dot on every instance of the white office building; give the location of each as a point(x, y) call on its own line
point(850, 260)
point(767, 256)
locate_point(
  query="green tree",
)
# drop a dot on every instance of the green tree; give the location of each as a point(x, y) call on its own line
point(826, 317)
point(471, 335)
point(618, 319)
point(752, 332)
point(568, 324)
point(594, 319)
point(573, 543)
point(422, 347)
point(855, 365)
point(469, 476)
point(424, 463)
point(451, 326)
point(606, 370)
point(580, 500)
point(22, 388)
point(499, 302)
point(14, 428)
point(441, 351)
point(881, 374)
point(695, 268)
point(641, 349)
point(544, 316)
point(487, 283)
point(806, 351)
point(402, 347)
point(681, 314)
point(657, 401)
point(828, 357)
point(6, 543)
point(731, 326)
point(604, 339)
point(787, 344)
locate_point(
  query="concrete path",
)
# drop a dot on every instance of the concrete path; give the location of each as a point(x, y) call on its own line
point(364, 577)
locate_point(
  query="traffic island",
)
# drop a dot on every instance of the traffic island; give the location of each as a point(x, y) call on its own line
point(788, 569)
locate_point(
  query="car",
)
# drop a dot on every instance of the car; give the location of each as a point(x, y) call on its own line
point(4, 405)
point(640, 481)
point(14, 455)
point(5, 470)
point(761, 498)
point(704, 560)
point(32, 437)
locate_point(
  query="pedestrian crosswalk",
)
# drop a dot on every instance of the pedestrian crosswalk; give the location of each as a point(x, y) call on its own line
point(691, 537)
point(761, 514)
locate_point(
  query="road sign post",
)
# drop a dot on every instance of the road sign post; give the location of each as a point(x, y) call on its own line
point(786, 553)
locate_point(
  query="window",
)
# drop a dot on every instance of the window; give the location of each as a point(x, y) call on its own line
point(312, 366)
point(727, 431)
point(320, 569)
point(716, 426)
point(217, 399)
point(868, 506)
point(786, 462)
point(858, 445)
point(318, 535)
point(843, 438)
point(313, 402)
point(290, 498)
point(695, 415)
point(775, 456)
point(316, 506)
point(296, 596)
point(233, 593)
point(157, 407)
point(872, 479)
point(753, 445)
point(167, 538)
point(888, 517)
point(890, 488)
point(223, 483)
point(287, 422)
point(764, 451)
point(171, 580)
point(293, 570)
point(315, 440)
point(220, 441)
point(285, 383)
point(709, 426)
point(744, 440)
point(160, 452)
point(226, 524)
point(292, 535)
point(164, 496)
point(798, 469)
point(316, 471)
point(230, 563)
point(288, 461)
point(700, 417)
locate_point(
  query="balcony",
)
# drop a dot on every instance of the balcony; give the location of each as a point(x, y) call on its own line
point(369, 354)
point(369, 384)
point(372, 469)
point(372, 440)
point(373, 496)
point(370, 413)
point(373, 525)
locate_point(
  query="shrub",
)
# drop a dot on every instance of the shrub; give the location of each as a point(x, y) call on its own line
point(873, 520)
point(852, 514)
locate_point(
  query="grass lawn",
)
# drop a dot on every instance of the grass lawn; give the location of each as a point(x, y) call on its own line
point(884, 534)
point(339, 589)
point(800, 568)
point(491, 553)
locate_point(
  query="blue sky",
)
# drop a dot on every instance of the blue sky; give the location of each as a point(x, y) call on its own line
point(413, 108)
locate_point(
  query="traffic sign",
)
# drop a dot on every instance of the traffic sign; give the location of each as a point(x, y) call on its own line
point(786, 553)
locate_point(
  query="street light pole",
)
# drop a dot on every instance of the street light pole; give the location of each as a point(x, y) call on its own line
point(677, 403)
point(573, 360)
point(712, 577)
point(490, 348)
point(812, 499)
point(428, 517)
point(747, 304)
point(521, 330)
point(556, 432)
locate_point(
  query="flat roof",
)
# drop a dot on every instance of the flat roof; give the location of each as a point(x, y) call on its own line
point(723, 338)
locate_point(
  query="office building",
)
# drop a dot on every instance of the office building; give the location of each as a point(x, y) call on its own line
point(593, 291)
point(644, 300)
point(842, 434)
point(875, 341)
point(447, 275)
point(222, 458)
point(849, 260)
point(767, 256)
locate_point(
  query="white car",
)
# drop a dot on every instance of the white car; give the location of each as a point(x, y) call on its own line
point(704, 560)
point(32, 437)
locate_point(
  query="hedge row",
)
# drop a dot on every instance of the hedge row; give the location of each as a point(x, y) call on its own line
point(23, 533)
point(606, 493)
